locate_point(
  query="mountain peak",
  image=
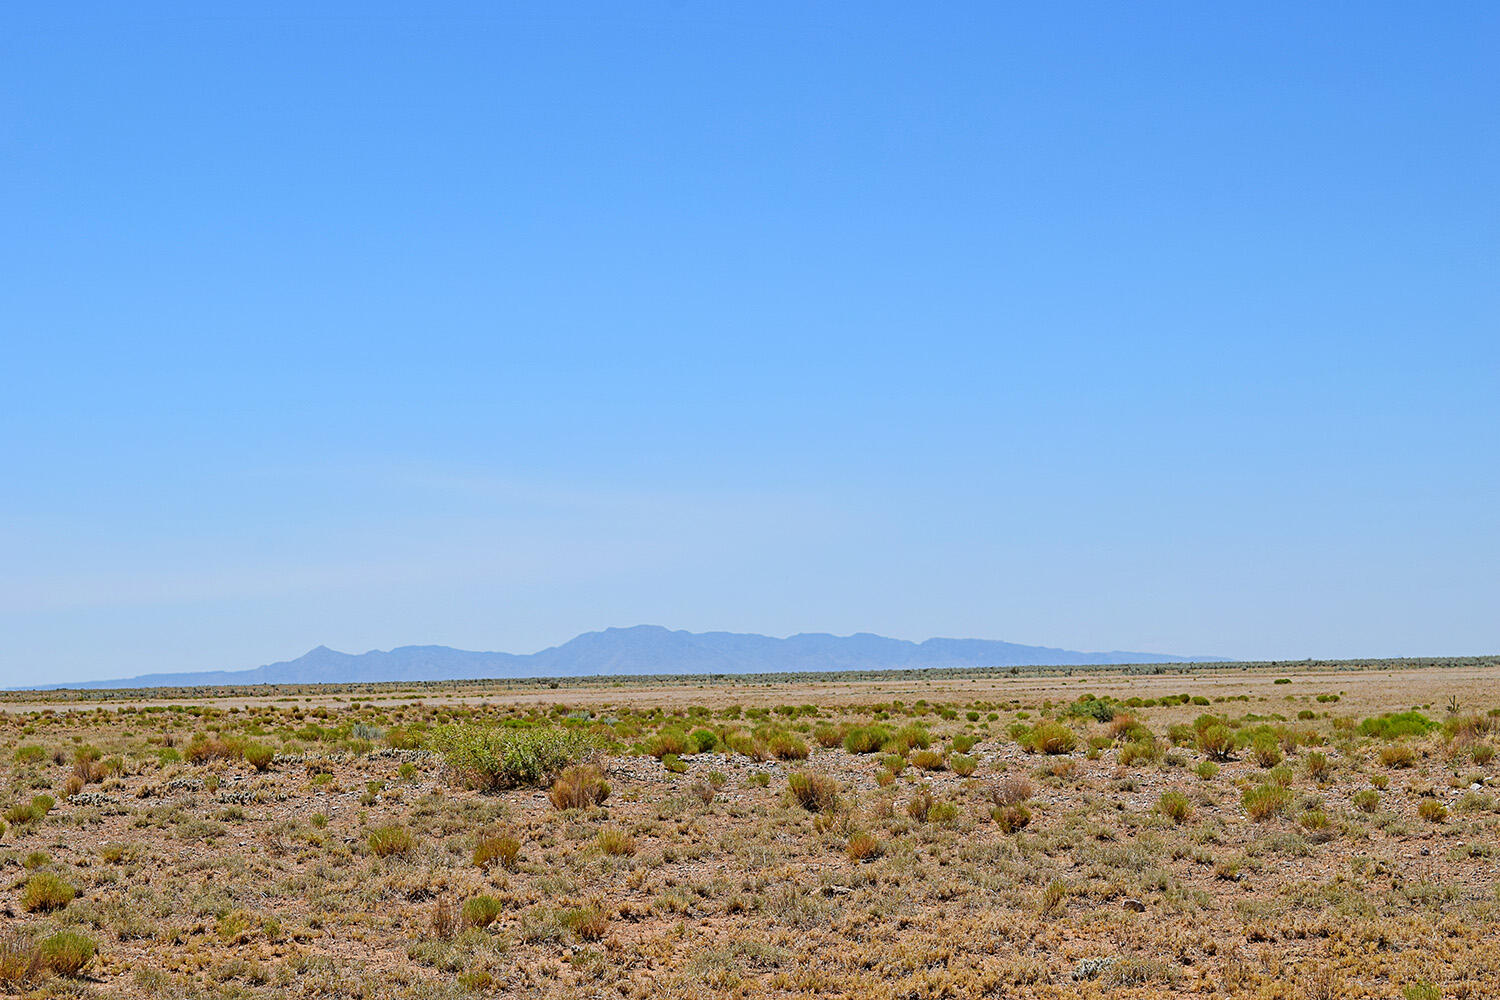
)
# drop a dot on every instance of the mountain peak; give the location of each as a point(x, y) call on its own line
point(645, 649)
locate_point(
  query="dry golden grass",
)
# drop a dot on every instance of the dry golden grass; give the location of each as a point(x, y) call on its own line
point(1213, 835)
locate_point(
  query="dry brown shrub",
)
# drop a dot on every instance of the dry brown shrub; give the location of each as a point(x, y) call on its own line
point(579, 786)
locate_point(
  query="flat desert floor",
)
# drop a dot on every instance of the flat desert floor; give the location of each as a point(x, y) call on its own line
point(1298, 832)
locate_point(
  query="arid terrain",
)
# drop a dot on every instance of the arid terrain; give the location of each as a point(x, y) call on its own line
point(1303, 831)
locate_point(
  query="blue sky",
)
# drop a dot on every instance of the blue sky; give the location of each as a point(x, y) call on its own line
point(1150, 326)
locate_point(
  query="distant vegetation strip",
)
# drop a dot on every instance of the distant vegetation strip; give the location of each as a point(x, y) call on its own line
point(420, 689)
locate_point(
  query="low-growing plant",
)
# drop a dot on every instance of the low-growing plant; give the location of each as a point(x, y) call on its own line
point(616, 842)
point(1144, 750)
point(579, 786)
point(391, 841)
point(785, 746)
point(490, 759)
point(1399, 755)
point(503, 850)
point(1011, 818)
point(928, 760)
point(480, 911)
point(1051, 738)
point(66, 953)
point(866, 739)
point(1175, 806)
point(1432, 810)
point(588, 922)
point(20, 961)
point(1266, 801)
point(259, 756)
point(813, 792)
point(1394, 725)
point(862, 847)
point(46, 892)
point(1216, 741)
point(1266, 749)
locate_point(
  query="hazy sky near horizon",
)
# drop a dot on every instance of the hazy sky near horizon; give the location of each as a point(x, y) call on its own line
point(1167, 327)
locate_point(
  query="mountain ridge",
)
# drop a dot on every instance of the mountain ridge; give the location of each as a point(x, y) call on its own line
point(640, 649)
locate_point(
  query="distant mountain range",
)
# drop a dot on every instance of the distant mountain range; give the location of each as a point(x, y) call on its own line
point(643, 649)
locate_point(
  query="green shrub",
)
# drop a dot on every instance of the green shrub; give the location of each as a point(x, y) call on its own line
point(928, 760)
point(703, 740)
point(813, 792)
point(1089, 707)
point(616, 842)
point(1432, 810)
point(503, 851)
point(866, 739)
point(66, 953)
point(259, 756)
point(1174, 806)
point(1051, 738)
point(1207, 770)
point(391, 841)
point(1366, 801)
point(1394, 725)
point(46, 892)
point(963, 765)
point(668, 741)
point(490, 759)
point(907, 739)
point(785, 746)
point(1147, 751)
point(480, 911)
point(1265, 801)
point(30, 754)
point(1216, 741)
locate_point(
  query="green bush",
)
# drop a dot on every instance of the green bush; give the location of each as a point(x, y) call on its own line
point(703, 740)
point(1394, 725)
point(66, 953)
point(1089, 707)
point(1265, 801)
point(30, 754)
point(46, 892)
point(1051, 738)
point(504, 851)
point(480, 911)
point(785, 746)
point(489, 759)
point(813, 792)
point(391, 841)
point(866, 739)
point(259, 756)
point(1174, 806)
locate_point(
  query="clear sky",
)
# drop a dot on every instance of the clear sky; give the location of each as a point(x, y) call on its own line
point(1168, 327)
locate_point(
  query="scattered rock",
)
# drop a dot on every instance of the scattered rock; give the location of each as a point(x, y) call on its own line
point(1091, 968)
